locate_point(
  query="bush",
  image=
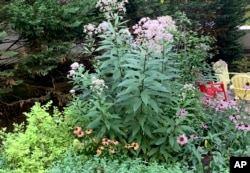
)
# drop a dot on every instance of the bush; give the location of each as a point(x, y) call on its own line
point(134, 97)
point(45, 140)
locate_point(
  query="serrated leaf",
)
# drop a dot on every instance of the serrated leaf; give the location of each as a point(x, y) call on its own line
point(160, 130)
point(145, 97)
point(154, 105)
point(135, 131)
point(142, 120)
point(172, 141)
point(118, 130)
point(161, 141)
point(127, 82)
point(136, 104)
point(153, 151)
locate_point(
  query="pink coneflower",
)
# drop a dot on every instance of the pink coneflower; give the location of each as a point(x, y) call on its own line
point(194, 136)
point(240, 126)
point(182, 139)
point(246, 86)
point(182, 113)
point(204, 126)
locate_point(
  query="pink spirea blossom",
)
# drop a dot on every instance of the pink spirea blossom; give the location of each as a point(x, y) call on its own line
point(182, 139)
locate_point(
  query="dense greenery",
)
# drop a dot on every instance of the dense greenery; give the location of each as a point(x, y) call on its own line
point(138, 110)
point(45, 140)
point(218, 18)
point(46, 33)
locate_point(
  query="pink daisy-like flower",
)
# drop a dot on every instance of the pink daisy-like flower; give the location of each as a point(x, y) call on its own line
point(182, 139)
point(246, 86)
point(204, 126)
point(194, 136)
point(182, 113)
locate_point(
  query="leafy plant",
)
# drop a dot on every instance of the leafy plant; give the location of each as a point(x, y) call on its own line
point(242, 64)
point(134, 96)
point(34, 147)
point(74, 164)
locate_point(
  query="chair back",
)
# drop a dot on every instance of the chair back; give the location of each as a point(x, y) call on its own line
point(221, 71)
point(239, 81)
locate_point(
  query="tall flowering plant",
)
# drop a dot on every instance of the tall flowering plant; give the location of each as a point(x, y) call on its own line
point(135, 95)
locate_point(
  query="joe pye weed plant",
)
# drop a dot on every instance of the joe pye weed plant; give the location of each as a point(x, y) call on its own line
point(134, 96)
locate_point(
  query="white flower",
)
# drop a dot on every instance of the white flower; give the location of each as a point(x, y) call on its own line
point(74, 66)
point(71, 72)
point(72, 91)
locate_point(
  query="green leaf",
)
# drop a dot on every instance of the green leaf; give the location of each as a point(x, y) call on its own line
point(153, 151)
point(172, 141)
point(161, 141)
point(154, 105)
point(160, 130)
point(95, 123)
point(136, 104)
point(135, 131)
point(147, 131)
point(118, 130)
point(145, 97)
point(142, 120)
point(128, 82)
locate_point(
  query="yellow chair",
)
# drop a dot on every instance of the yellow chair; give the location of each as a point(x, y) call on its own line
point(240, 81)
point(221, 71)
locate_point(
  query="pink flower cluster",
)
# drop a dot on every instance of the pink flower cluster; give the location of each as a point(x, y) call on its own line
point(154, 33)
point(237, 120)
point(98, 85)
point(91, 30)
point(107, 6)
point(221, 105)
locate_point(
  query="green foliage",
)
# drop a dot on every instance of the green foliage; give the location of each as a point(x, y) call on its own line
point(134, 96)
point(74, 164)
point(193, 49)
point(242, 64)
point(43, 141)
point(47, 31)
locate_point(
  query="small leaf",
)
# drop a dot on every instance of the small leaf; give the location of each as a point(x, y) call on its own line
point(153, 151)
point(136, 104)
point(142, 120)
point(161, 141)
point(145, 97)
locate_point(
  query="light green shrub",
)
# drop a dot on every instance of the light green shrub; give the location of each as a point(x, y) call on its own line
point(45, 139)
